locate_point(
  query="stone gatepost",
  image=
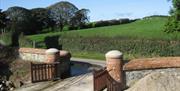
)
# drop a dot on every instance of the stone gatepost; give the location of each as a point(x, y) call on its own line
point(65, 57)
point(52, 55)
point(114, 64)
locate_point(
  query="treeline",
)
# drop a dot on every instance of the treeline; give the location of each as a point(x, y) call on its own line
point(103, 23)
point(33, 21)
point(57, 17)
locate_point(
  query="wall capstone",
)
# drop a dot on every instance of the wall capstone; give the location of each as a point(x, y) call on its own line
point(52, 55)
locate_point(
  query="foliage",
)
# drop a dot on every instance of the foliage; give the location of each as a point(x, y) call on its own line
point(3, 19)
point(173, 24)
point(80, 18)
point(42, 18)
point(132, 39)
point(112, 22)
point(152, 29)
point(24, 42)
point(7, 55)
point(126, 45)
point(20, 20)
point(154, 16)
point(52, 42)
point(62, 12)
point(5, 38)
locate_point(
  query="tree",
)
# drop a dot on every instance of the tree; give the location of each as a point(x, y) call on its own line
point(3, 19)
point(42, 18)
point(80, 18)
point(20, 20)
point(173, 24)
point(62, 12)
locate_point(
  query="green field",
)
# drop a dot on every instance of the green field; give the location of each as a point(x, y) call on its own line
point(144, 31)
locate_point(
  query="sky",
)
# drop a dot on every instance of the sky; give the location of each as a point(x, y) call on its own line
point(102, 9)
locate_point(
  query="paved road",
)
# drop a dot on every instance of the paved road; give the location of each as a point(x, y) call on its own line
point(82, 82)
point(91, 61)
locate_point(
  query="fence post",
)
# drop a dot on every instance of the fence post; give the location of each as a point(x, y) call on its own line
point(114, 63)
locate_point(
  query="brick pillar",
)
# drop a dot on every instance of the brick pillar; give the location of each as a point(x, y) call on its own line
point(65, 57)
point(114, 63)
point(52, 55)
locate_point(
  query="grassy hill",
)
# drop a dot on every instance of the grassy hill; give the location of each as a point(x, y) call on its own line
point(140, 38)
point(146, 29)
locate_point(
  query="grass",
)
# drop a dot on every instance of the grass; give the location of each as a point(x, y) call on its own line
point(142, 29)
point(91, 43)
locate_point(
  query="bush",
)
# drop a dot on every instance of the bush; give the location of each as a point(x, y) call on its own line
point(25, 42)
point(85, 26)
point(124, 21)
point(114, 22)
point(7, 55)
point(101, 23)
point(73, 28)
point(52, 42)
point(126, 45)
point(5, 38)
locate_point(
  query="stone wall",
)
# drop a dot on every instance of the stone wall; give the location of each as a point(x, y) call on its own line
point(39, 55)
point(32, 54)
point(139, 68)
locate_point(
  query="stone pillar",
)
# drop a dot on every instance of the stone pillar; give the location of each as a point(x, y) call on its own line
point(65, 57)
point(114, 63)
point(52, 55)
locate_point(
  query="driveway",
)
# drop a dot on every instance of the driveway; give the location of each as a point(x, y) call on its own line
point(81, 82)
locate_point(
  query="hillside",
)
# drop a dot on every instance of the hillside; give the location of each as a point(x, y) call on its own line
point(146, 29)
point(142, 38)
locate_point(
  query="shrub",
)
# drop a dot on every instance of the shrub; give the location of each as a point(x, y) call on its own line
point(52, 42)
point(114, 22)
point(85, 26)
point(126, 45)
point(5, 38)
point(101, 23)
point(73, 28)
point(124, 21)
point(25, 42)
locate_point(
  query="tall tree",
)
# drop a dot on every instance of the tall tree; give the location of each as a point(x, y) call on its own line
point(20, 20)
point(62, 12)
point(80, 18)
point(173, 23)
point(42, 18)
point(3, 19)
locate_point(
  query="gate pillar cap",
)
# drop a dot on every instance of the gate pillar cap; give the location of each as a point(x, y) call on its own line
point(114, 54)
point(64, 53)
point(52, 51)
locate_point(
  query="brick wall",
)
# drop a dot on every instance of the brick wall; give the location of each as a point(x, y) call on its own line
point(39, 55)
point(32, 54)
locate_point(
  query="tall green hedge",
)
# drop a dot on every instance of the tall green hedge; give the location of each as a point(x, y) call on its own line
point(127, 46)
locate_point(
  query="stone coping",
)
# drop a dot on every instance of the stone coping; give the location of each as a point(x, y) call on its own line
point(152, 63)
point(32, 50)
